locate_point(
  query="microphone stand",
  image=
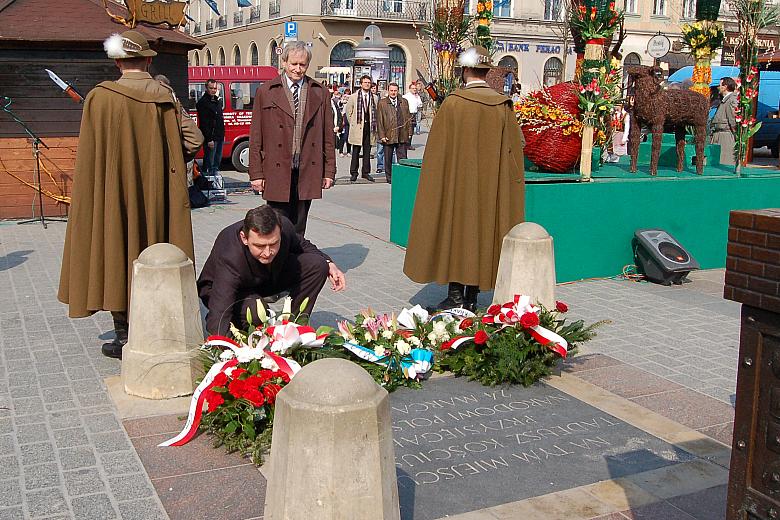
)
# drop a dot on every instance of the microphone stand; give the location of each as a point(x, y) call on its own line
point(36, 141)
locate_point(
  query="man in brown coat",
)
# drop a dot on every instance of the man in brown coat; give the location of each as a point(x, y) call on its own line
point(471, 188)
point(292, 150)
point(394, 126)
point(130, 187)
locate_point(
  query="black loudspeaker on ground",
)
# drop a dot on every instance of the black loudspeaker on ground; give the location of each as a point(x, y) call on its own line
point(661, 258)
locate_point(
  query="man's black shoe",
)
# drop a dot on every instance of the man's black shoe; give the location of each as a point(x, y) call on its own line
point(113, 349)
point(453, 300)
point(368, 177)
point(353, 178)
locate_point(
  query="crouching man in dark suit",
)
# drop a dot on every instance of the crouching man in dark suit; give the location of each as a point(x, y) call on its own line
point(261, 256)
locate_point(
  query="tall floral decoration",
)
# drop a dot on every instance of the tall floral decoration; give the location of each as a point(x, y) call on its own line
point(448, 31)
point(596, 21)
point(702, 38)
point(752, 16)
point(483, 18)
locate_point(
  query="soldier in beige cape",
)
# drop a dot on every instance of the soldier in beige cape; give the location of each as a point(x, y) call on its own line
point(471, 190)
point(129, 188)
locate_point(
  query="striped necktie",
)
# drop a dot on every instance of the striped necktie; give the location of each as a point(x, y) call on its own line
point(296, 99)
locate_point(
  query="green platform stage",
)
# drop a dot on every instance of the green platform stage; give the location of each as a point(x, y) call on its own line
point(592, 223)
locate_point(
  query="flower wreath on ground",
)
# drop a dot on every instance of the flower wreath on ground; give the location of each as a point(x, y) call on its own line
point(511, 343)
point(243, 376)
point(515, 343)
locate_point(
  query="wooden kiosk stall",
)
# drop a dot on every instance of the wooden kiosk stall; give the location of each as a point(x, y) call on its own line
point(65, 37)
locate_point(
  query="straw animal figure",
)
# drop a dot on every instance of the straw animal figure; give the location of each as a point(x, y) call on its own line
point(654, 106)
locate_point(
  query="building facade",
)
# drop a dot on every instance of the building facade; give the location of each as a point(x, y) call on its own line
point(531, 36)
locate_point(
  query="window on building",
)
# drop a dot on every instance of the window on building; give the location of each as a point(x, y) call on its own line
point(552, 9)
point(659, 7)
point(342, 55)
point(467, 6)
point(209, 60)
point(236, 55)
point(502, 8)
point(553, 72)
point(630, 60)
point(508, 62)
point(631, 6)
point(195, 58)
point(222, 56)
point(253, 54)
point(393, 6)
point(274, 57)
point(689, 9)
point(398, 66)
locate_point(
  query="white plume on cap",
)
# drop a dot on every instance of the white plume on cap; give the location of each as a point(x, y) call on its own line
point(469, 58)
point(114, 47)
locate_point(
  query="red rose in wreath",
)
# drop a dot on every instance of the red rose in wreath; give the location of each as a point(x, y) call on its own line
point(529, 319)
point(481, 337)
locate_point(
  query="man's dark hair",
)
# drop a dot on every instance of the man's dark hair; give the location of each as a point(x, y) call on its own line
point(366, 76)
point(393, 85)
point(210, 80)
point(263, 220)
point(729, 83)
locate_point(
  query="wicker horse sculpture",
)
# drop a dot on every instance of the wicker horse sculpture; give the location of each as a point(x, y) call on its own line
point(654, 106)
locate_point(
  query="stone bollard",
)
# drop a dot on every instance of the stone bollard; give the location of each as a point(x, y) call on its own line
point(159, 361)
point(332, 454)
point(526, 266)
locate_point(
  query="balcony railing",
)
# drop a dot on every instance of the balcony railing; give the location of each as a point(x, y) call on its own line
point(222, 21)
point(209, 25)
point(254, 14)
point(238, 18)
point(379, 9)
point(274, 8)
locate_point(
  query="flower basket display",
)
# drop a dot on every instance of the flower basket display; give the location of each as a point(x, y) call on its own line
point(552, 127)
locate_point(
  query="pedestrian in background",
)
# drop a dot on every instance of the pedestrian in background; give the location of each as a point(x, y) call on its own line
point(361, 111)
point(211, 122)
point(414, 101)
point(380, 151)
point(394, 126)
point(724, 121)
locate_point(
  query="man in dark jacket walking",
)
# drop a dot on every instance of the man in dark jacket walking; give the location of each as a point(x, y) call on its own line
point(261, 255)
point(211, 122)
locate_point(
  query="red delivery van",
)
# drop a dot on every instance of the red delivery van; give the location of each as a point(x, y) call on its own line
point(237, 86)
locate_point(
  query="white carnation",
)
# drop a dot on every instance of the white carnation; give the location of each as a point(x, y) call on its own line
point(402, 347)
point(387, 333)
point(379, 350)
point(227, 354)
point(440, 329)
point(367, 336)
point(432, 337)
point(414, 340)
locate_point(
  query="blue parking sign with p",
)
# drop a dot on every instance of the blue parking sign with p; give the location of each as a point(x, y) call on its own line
point(291, 29)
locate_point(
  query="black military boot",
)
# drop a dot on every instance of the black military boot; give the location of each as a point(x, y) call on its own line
point(113, 349)
point(454, 298)
point(470, 294)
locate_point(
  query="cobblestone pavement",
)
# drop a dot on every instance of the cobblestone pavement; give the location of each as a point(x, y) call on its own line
point(63, 452)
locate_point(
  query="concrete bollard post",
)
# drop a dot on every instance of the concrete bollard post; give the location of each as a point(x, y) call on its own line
point(526, 265)
point(332, 453)
point(158, 361)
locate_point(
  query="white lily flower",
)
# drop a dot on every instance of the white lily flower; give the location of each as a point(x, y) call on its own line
point(285, 337)
point(286, 309)
point(406, 318)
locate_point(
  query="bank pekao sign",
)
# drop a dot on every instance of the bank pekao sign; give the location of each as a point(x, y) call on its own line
point(508, 46)
point(157, 12)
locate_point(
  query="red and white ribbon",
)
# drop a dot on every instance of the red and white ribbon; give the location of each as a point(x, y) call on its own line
point(196, 404)
point(510, 313)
